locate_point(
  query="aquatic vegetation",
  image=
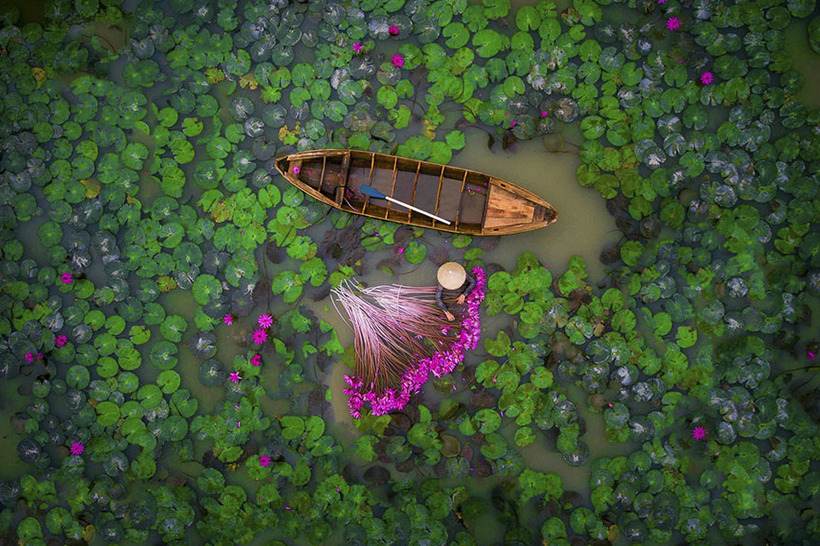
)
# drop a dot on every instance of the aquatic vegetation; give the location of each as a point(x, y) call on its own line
point(259, 336)
point(401, 336)
point(139, 209)
point(265, 320)
point(706, 78)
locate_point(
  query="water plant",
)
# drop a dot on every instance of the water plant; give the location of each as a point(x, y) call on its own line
point(400, 337)
point(143, 232)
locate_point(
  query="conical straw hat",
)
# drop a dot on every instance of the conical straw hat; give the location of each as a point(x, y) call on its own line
point(451, 275)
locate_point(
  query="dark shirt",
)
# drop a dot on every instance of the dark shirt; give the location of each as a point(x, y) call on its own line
point(466, 288)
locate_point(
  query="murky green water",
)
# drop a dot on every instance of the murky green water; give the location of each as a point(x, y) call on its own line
point(584, 226)
point(625, 333)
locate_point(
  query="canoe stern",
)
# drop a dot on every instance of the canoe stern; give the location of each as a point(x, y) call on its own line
point(512, 209)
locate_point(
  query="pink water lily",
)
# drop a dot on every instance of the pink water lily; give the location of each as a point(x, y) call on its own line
point(61, 340)
point(706, 78)
point(29, 357)
point(228, 319)
point(256, 360)
point(447, 351)
point(673, 23)
point(357, 47)
point(265, 320)
point(77, 448)
point(698, 433)
point(259, 336)
point(264, 460)
point(66, 278)
point(393, 30)
point(235, 377)
point(398, 61)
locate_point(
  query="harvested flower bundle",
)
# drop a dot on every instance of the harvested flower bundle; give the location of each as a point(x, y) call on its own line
point(401, 336)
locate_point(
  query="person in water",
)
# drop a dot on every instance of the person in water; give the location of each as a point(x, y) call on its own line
point(453, 278)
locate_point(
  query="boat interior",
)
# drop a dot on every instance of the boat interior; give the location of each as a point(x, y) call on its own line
point(452, 193)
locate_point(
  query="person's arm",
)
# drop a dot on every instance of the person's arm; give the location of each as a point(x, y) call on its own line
point(470, 286)
point(439, 300)
point(441, 304)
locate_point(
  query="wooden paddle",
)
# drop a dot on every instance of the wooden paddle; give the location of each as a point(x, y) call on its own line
point(376, 194)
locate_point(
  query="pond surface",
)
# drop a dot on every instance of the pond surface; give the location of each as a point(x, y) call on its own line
point(647, 366)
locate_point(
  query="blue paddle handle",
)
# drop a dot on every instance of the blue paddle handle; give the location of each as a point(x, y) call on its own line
point(372, 192)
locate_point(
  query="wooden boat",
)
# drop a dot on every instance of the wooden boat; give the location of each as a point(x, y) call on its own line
point(474, 203)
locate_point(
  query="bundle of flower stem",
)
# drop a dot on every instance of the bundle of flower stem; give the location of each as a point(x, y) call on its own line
point(401, 336)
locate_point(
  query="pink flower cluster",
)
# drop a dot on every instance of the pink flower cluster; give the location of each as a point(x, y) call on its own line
point(260, 335)
point(441, 363)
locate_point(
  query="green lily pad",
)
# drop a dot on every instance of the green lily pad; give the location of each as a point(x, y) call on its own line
point(149, 396)
point(107, 367)
point(487, 420)
point(162, 355)
point(488, 43)
point(494, 447)
point(184, 404)
point(524, 437)
point(168, 381)
point(293, 427)
point(108, 413)
point(78, 377)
